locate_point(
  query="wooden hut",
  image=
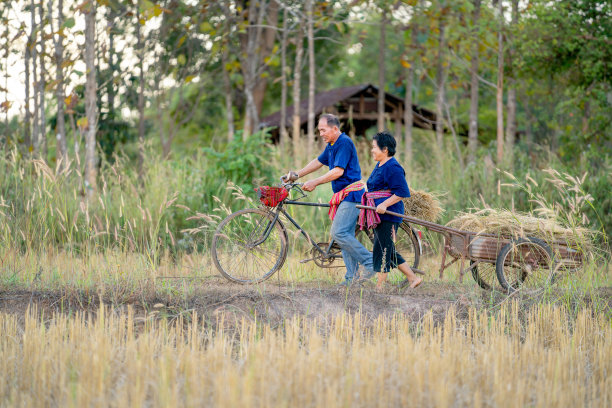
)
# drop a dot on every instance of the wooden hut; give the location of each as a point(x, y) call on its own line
point(356, 107)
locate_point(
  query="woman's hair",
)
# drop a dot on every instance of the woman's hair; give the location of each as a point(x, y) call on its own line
point(386, 139)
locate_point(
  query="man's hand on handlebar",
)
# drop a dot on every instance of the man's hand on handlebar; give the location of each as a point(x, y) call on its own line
point(309, 185)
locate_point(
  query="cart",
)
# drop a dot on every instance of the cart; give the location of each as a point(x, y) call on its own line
point(514, 263)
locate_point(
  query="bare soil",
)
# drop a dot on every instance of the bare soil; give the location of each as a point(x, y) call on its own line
point(273, 303)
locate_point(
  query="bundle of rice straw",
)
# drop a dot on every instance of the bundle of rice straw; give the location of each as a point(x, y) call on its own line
point(508, 223)
point(422, 205)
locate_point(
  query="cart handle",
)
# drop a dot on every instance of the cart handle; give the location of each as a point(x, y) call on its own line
point(427, 224)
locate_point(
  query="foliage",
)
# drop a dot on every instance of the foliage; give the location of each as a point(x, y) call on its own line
point(566, 52)
point(571, 39)
point(243, 162)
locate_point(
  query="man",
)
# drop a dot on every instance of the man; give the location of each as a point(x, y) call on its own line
point(344, 173)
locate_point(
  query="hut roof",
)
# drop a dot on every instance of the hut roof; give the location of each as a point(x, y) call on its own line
point(339, 100)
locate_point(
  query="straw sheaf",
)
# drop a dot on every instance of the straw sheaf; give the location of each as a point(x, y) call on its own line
point(422, 205)
point(504, 222)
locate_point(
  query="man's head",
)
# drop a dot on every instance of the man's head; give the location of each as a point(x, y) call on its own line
point(329, 127)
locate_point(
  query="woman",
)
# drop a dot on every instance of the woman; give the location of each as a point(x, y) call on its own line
point(386, 188)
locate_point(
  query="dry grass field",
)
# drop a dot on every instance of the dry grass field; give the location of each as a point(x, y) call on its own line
point(545, 357)
point(111, 330)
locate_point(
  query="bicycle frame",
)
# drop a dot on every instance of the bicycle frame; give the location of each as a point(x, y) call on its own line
point(281, 210)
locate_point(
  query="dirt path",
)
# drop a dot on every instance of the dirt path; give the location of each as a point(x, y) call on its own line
point(273, 303)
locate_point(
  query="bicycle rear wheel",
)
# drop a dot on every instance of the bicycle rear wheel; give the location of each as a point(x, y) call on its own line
point(248, 246)
point(406, 243)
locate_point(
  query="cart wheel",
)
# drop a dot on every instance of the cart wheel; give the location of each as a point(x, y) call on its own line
point(525, 264)
point(485, 276)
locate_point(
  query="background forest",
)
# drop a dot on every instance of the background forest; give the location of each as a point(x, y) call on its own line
point(123, 121)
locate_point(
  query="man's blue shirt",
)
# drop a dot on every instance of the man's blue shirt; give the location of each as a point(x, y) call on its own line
point(343, 154)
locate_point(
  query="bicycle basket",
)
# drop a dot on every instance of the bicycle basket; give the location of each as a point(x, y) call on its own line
point(271, 196)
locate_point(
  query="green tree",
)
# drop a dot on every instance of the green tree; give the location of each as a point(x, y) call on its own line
point(567, 45)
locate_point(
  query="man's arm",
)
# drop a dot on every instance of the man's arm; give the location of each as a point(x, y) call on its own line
point(310, 167)
point(331, 175)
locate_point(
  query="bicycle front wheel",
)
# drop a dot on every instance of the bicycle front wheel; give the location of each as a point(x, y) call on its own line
point(249, 246)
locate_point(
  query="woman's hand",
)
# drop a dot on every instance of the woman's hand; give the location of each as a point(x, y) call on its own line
point(382, 207)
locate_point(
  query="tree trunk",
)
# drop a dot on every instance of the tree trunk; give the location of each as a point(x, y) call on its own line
point(27, 135)
point(311, 79)
point(250, 116)
point(441, 84)
point(500, 85)
point(42, 85)
point(473, 127)
point(35, 87)
point(111, 63)
point(408, 101)
point(283, 135)
point(511, 117)
point(6, 75)
point(408, 117)
point(250, 65)
point(381, 72)
point(455, 138)
point(141, 118)
point(269, 39)
point(60, 129)
point(529, 122)
point(229, 106)
point(90, 98)
point(159, 118)
point(296, 91)
point(511, 120)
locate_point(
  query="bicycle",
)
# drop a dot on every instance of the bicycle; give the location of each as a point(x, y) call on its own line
point(250, 245)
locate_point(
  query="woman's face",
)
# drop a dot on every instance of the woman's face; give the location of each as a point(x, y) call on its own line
point(378, 154)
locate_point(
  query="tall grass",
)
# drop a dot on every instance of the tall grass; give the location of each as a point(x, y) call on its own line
point(543, 357)
point(174, 208)
point(45, 207)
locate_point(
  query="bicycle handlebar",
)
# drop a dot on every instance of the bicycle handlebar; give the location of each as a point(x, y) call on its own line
point(289, 184)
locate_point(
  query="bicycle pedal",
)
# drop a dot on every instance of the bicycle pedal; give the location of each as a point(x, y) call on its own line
point(306, 260)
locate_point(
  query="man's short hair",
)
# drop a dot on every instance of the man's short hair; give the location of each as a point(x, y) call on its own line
point(331, 120)
point(386, 139)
